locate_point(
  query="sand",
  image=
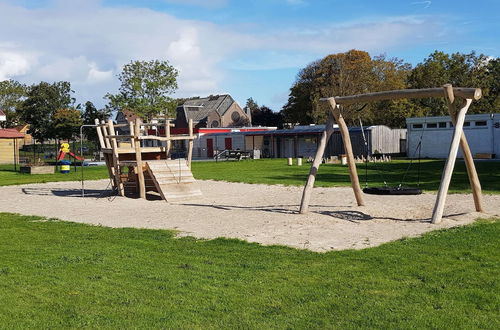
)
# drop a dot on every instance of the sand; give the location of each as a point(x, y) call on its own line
point(255, 213)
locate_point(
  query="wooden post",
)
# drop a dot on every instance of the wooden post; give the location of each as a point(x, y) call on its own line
point(190, 143)
point(167, 134)
point(131, 130)
point(306, 193)
point(138, 160)
point(464, 145)
point(99, 134)
point(116, 166)
point(344, 131)
point(437, 213)
point(105, 134)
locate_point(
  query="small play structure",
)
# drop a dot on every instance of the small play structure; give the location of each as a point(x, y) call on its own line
point(457, 118)
point(135, 169)
point(64, 150)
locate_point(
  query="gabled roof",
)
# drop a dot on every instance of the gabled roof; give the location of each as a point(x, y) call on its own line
point(10, 133)
point(128, 115)
point(198, 109)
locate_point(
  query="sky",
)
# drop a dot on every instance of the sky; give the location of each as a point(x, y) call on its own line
point(246, 48)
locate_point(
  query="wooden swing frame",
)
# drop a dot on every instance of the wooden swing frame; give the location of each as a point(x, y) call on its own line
point(457, 117)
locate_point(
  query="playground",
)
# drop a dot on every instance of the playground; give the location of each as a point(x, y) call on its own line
point(266, 214)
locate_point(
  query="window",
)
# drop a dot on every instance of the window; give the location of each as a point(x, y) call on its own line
point(467, 124)
point(417, 126)
point(214, 124)
point(432, 125)
point(481, 123)
point(235, 116)
point(442, 125)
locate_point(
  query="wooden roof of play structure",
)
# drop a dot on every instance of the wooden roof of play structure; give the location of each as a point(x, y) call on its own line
point(149, 168)
point(459, 139)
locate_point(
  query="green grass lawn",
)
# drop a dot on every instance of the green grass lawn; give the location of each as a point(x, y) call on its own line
point(275, 171)
point(9, 177)
point(57, 274)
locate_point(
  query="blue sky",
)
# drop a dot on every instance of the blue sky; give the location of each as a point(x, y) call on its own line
point(250, 48)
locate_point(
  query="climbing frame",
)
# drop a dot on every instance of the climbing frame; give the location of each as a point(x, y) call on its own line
point(135, 169)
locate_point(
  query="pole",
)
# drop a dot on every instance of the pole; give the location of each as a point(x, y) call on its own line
point(81, 153)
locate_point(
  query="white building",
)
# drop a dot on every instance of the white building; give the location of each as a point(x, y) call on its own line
point(482, 132)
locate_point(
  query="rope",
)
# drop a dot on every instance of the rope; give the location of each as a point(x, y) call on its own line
point(419, 148)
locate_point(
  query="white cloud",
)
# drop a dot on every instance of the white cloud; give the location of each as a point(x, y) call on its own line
point(87, 44)
point(13, 63)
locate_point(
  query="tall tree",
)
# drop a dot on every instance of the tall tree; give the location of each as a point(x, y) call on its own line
point(145, 88)
point(461, 70)
point(12, 94)
point(348, 73)
point(262, 115)
point(66, 123)
point(41, 103)
point(89, 115)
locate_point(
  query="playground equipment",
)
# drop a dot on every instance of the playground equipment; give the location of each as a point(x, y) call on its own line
point(63, 150)
point(459, 139)
point(149, 168)
point(66, 164)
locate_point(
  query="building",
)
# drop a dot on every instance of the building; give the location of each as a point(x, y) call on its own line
point(10, 139)
point(482, 132)
point(213, 111)
point(3, 117)
point(302, 141)
point(23, 129)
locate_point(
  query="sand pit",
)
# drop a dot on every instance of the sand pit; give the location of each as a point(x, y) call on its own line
point(255, 213)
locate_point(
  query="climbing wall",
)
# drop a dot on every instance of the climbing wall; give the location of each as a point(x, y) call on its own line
point(173, 179)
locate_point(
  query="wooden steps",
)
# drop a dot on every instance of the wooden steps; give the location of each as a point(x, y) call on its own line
point(173, 179)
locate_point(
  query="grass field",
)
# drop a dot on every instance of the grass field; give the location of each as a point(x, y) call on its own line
point(64, 275)
point(9, 177)
point(275, 171)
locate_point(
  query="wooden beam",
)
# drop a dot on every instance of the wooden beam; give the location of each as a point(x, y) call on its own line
point(344, 131)
point(104, 131)
point(114, 147)
point(437, 213)
point(99, 134)
point(171, 138)
point(464, 145)
point(466, 93)
point(320, 151)
point(169, 141)
point(131, 133)
point(138, 159)
point(190, 143)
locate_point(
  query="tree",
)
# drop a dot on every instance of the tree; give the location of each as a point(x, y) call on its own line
point(461, 70)
point(145, 88)
point(349, 73)
point(41, 103)
point(66, 123)
point(262, 115)
point(12, 94)
point(89, 115)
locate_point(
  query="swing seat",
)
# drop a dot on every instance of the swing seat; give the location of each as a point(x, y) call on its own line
point(392, 191)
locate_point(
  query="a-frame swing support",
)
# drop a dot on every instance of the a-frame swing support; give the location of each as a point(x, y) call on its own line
point(459, 139)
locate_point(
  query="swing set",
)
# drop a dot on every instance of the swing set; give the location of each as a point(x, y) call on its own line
point(457, 113)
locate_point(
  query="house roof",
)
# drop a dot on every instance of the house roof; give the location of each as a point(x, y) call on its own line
point(128, 115)
point(10, 133)
point(19, 128)
point(198, 109)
